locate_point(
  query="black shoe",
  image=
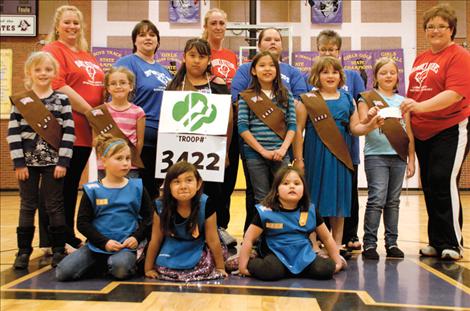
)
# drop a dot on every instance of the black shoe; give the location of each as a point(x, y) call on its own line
point(345, 253)
point(56, 258)
point(370, 253)
point(21, 261)
point(395, 252)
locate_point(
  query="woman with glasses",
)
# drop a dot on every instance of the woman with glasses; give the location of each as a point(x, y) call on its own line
point(439, 102)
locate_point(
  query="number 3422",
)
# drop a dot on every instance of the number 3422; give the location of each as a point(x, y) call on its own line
point(196, 158)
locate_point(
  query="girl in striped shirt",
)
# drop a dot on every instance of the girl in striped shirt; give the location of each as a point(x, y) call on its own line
point(39, 167)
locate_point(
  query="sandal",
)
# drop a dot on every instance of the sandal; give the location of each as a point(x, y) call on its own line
point(354, 245)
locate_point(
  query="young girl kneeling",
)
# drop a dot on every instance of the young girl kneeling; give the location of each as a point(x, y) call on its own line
point(115, 215)
point(286, 218)
point(184, 222)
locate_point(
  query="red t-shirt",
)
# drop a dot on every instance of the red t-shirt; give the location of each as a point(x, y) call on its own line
point(81, 72)
point(224, 65)
point(433, 74)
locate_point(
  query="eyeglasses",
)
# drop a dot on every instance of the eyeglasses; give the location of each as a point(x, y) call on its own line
point(330, 50)
point(436, 27)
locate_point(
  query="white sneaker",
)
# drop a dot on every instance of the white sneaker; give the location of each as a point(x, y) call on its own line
point(428, 251)
point(451, 254)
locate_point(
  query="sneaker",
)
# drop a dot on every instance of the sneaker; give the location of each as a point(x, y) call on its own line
point(395, 252)
point(428, 251)
point(21, 261)
point(451, 254)
point(226, 238)
point(370, 253)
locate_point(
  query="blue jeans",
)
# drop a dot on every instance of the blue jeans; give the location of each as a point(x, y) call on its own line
point(121, 265)
point(385, 179)
point(261, 173)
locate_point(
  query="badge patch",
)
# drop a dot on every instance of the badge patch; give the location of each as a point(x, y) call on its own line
point(274, 225)
point(101, 201)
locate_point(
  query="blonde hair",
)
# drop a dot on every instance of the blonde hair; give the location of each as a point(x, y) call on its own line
point(130, 77)
point(322, 63)
point(82, 44)
point(205, 35)
point(379, 64)
point(107, 145)
point(33, 60)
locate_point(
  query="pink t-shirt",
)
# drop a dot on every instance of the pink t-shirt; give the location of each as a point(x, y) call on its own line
point(126, 120)
point(81, 72)
point(432, 74)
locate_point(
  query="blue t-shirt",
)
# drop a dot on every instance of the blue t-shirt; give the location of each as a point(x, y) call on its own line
point(291, 77)
point(376, 142)
point(354, 86)
point(150, 82)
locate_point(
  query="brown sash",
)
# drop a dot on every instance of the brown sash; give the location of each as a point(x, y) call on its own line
point(102, 122)
point(326, 128)
point(266, 111)
point(392, 128)
point(41, 120)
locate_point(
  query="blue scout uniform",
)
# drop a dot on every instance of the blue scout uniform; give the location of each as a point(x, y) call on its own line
point(183, 250)
point(287, 236)
point(116, 210)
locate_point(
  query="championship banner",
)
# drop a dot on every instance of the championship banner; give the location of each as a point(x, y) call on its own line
point(304, 61)
point(192, 127)
point(6, 76)
point(184, 11)
point(327, 11)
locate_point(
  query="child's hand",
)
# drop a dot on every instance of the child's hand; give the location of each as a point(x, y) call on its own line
point(59, 171)
point(222, 271)
point(279, 154)
point(341, 265)
point(130, 243)
point(372, 112)
point(410, 169)
point(22, 173)
point(376, 122)
point(244, 271)
point(113, 246)
point(151, 274)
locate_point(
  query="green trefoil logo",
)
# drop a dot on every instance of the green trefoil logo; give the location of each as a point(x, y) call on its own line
point(194, 111)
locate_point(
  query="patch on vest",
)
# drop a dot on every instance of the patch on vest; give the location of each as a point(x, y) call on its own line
point(101, 201)
point(274, 225)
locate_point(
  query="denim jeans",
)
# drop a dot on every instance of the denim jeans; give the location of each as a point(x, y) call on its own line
point(261, 173)
point(121, 265)
point(385, 179)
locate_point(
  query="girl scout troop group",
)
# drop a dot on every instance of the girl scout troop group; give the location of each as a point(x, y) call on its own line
point(296, 138)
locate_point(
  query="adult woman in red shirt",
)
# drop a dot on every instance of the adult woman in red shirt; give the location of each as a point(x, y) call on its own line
point(439, 102)
point(81, 79)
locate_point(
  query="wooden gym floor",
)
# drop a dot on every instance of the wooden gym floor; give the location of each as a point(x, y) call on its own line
point(389, 284)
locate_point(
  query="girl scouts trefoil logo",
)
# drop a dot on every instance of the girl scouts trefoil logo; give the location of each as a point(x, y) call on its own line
point(194, 111)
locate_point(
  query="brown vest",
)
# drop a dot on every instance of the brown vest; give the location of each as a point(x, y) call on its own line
point(392, 128)
point(326, 128)
point(102, 122)
point(266, 111)
point(41, 120)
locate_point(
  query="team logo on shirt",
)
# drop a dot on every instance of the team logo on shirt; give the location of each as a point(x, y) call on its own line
point(91, 69)
point(422, 72)
point(164, 79)
point(222, 66)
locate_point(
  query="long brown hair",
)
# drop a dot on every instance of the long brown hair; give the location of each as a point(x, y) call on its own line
point(170, 204)
point(279, 90)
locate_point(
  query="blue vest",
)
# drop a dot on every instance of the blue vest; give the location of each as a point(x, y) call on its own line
point(287, 239)
point(182, 250)
point(116, 210)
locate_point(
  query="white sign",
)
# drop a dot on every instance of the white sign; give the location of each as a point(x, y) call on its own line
point(18, 25)
point(390, 112)
point(207, 153)
point(194, 112)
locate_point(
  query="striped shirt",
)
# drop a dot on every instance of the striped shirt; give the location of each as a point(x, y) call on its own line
point(248, 121)
point(27, 148)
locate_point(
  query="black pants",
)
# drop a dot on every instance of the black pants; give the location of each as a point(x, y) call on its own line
point(351, 223)
point(270, 268)
point(41, 179)
point(150, 183)
point(440, 161)
point(70, 192)
point(249, 193)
